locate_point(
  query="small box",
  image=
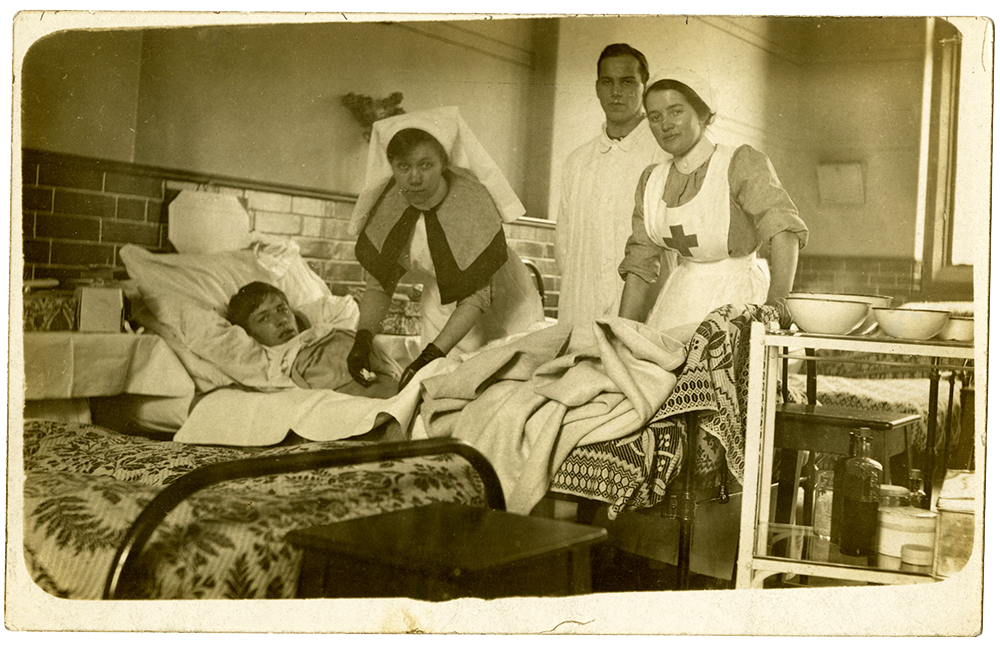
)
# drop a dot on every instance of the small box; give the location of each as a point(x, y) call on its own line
point(956, 507)
point(50, 310)
point(100, 309)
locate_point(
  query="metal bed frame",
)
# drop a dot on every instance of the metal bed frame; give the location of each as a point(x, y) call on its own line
point(123, 575)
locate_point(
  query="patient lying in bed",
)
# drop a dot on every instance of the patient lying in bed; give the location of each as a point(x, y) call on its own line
point(263, 311)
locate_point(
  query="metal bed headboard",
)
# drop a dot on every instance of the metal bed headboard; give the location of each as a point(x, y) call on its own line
point(123, 567)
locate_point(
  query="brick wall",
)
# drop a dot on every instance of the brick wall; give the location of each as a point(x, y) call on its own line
point(534, 240)
point(896, 277)
point(78, 212)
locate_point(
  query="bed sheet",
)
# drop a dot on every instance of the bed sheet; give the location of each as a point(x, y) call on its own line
point(86, 484)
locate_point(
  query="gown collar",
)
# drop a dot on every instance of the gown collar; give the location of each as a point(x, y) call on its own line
point(626, 143)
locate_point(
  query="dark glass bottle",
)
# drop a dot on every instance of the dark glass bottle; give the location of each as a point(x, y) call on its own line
point(862, 477)
point(837, 510)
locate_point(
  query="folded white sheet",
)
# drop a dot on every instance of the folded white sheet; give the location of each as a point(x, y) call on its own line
point(235, 417)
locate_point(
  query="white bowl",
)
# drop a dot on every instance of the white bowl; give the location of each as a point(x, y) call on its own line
point(912, 324)
point(869, 323)
point(959, 328)
point(826, 316)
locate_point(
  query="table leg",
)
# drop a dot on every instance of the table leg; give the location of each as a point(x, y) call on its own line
point(811, 377)
point(788, 489)
point(929, 461)
point(756, 414)
point(946, 459)
point(686, 511)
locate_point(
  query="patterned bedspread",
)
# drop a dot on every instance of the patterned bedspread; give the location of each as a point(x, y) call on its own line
point(636, 472)
point(85, 485)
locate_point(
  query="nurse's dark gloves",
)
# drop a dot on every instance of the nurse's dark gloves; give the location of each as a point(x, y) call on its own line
point(359, 357)
point(430, 353)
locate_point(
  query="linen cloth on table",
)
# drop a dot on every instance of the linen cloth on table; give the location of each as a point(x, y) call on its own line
point(63, 365)
point(634, 472)
point(526, 404)
point(85, 485)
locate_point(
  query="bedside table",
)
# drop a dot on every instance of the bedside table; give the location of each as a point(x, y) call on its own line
point(445, 551)
point(63, 369)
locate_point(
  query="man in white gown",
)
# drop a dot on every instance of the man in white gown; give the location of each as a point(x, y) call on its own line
point(598, 191)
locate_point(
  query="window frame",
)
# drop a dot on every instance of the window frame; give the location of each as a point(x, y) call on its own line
point(940, 277)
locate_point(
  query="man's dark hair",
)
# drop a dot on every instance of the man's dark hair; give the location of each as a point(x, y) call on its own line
point(248, 298)
point(621, 49)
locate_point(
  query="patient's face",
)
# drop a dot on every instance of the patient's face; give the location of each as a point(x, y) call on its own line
point(272, 323)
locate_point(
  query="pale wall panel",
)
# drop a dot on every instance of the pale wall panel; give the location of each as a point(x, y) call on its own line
point(264, 102)
point(79, 93)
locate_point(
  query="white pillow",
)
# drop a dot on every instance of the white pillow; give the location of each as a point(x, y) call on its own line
point(185, 299)
point(210, 280)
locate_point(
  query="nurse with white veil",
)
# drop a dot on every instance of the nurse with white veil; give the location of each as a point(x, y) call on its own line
point(433, 206)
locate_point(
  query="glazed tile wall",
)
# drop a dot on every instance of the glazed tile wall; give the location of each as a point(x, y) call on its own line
point(78, 212)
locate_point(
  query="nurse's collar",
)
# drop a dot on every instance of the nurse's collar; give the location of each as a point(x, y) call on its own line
point(696, 156)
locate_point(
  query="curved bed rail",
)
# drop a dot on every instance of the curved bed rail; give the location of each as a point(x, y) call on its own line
point(123, 564)
point(536, 276)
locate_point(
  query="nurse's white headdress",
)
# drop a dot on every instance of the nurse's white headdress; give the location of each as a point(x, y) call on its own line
point(693, 80)
point(464, 151)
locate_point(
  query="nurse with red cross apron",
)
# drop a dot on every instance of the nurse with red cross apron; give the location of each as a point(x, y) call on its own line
point(714, 206)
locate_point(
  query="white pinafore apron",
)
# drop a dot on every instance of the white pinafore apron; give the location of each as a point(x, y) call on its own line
point(698, 232)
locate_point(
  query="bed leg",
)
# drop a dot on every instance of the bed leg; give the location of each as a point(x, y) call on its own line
point(946, 459)
point(686, 507)
point(929, 449)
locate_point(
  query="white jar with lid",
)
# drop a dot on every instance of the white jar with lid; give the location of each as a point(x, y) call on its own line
point(917, 558)
point(901, 525)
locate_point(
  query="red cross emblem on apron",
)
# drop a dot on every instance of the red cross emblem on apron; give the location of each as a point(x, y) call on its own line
point(680, 242)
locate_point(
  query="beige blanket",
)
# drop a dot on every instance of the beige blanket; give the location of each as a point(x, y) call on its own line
point(528, 403)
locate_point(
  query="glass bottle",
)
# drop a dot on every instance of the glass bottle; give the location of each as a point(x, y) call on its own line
point(917, 494)
point(822, 517)
point(837, 506)
point(859, 522)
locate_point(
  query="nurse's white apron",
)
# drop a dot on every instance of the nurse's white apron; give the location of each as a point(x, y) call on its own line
point(516, 303)
point(706, 278)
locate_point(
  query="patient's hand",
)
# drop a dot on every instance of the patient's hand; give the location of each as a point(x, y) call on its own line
point(359, 358)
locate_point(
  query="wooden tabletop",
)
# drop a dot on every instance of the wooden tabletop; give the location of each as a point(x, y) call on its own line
point(441, 538)
point(836, 415)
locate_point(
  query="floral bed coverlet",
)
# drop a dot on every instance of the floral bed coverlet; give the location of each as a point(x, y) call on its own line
point(85, 485)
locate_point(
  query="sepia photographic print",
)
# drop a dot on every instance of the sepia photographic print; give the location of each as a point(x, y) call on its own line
point(537, 323)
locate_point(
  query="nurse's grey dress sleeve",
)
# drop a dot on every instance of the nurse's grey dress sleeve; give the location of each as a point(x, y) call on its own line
point(755, 187)
point(642, 255)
